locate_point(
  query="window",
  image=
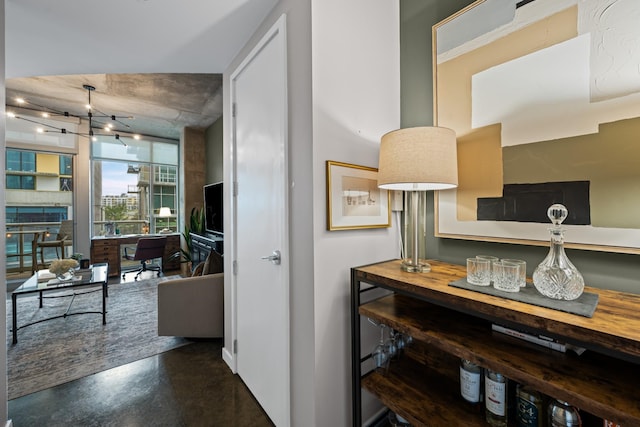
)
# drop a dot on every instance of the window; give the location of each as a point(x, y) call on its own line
point(18, 246)
point(48, 201)
point(21, 182)
point(27, 214)
point(18, 165)
point(164, 195)
point(66, 165)
point(20, 161)
point(131, 183)
point(165, 174)
point(66, 184)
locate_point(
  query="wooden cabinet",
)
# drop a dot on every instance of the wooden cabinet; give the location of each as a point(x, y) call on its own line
point(108, 249)
point(104, 250)
point(202, 245)
point(449, 323)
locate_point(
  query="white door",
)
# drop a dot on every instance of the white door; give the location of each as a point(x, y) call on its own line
point(259, 95)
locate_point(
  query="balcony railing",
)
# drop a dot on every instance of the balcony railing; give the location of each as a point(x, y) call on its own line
point(20, 237)
point(19, 243)
point(128, 226)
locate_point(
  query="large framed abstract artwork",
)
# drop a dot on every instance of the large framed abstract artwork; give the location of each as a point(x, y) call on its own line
point(544, 96)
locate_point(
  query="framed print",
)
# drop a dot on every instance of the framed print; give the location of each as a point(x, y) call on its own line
point(545, 101)
point(353, 198)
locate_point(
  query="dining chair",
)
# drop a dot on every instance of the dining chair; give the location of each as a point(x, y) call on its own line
point(63, 239)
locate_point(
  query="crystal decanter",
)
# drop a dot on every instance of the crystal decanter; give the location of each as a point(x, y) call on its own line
point(556, 277)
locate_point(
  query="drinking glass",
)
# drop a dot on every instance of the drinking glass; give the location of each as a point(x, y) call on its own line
point(380, 353)
point(479, 271)
point(399, 342)
point(492, 260)
point(522, 272)
point(391, 346)
point(506, 277)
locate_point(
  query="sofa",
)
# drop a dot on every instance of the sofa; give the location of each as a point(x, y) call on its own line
point(193, 307)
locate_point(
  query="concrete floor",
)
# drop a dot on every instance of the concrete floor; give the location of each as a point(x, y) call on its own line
point(188, 386)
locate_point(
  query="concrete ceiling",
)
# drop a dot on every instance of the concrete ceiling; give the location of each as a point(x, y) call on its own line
point(161, 104)
point(160, 61)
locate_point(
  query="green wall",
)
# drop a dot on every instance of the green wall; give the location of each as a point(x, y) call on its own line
point(600, 269)
point(213, 147)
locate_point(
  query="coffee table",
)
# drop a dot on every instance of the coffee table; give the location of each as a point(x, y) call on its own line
point(95, 275)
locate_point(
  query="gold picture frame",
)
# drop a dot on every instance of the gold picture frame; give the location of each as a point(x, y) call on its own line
point(354, 200)
point(541, 93)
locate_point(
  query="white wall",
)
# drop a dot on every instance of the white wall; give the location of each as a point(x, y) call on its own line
point(356, 99)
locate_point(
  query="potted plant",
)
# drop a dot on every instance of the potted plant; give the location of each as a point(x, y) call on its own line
point(194, 225)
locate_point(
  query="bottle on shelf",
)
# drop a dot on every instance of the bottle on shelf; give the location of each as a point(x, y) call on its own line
point(530, 407)
point(496, 392)
point(471, 383)
point(562, 414)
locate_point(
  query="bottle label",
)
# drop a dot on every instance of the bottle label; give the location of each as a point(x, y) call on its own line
point(470, 385)
point(527, 414)
point(495, 397)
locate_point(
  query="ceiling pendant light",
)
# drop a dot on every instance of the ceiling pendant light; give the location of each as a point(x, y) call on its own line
point(96, 119)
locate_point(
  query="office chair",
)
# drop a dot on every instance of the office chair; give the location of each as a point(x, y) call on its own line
point(147, 249)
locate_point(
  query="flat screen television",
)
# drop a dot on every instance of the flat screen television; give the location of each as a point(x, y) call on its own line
point(213, 208)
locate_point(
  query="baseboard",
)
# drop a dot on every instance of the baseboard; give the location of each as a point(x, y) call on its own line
point(228, 359)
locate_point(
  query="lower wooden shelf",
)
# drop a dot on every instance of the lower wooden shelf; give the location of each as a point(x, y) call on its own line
point(422, 396)
point(601, 385)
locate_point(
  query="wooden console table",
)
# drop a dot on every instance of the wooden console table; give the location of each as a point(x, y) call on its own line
point(107, 249)
point(449, 323)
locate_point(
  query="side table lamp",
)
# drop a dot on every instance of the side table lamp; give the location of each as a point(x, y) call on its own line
point(165, 213)
point(418, 159)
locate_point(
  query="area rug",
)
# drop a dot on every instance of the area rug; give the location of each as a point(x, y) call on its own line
point(62, 350)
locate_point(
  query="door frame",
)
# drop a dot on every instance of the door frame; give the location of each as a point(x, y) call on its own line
point(278, 28)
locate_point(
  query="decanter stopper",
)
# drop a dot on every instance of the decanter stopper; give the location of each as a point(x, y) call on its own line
point(557, 213)
point(556, 277)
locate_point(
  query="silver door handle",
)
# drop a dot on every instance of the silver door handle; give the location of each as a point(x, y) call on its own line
point(274, 258)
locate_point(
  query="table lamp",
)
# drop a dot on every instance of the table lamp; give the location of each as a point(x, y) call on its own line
point(418, 159)
point(165, 213)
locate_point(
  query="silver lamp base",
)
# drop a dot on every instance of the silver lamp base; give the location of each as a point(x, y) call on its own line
point(411, 266)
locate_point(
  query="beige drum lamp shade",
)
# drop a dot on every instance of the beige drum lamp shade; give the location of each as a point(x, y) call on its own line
point(418, 159)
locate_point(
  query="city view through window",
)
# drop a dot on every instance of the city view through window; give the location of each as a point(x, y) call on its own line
point(126, 199)
point(38, 197)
